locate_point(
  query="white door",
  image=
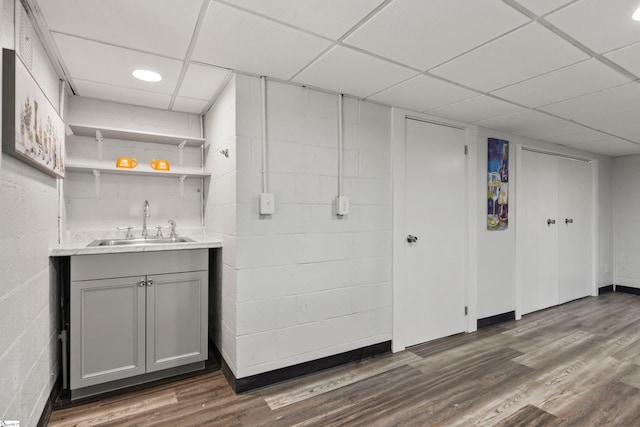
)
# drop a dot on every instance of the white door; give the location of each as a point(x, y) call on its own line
point(537, 231)
point(574, 229)
point(436, 215)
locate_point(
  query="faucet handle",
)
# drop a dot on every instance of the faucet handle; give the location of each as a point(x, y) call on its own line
point(129, 231)
point(172, 224)
point(159, 233)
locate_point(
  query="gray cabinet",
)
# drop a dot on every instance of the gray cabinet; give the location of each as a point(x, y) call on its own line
point(142, 323)
point(176, 319)
point(107, 331)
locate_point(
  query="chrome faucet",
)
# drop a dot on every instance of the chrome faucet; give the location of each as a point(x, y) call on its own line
point(147, 214)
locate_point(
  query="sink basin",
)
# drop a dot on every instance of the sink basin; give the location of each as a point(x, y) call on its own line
point(139, 241)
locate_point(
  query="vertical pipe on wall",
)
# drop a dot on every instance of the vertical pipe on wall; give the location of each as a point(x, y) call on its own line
point(265, 186)
point(59, 182)
point(340, 142)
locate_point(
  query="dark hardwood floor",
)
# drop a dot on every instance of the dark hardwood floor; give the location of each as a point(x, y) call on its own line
point(576, 365)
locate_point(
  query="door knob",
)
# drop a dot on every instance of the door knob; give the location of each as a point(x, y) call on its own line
point(412, 239)
point(551, 221)
point(141, 283)
point(568, 221)
point(149, 282)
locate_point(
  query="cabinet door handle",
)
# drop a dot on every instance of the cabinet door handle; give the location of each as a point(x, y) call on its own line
point(568, 221)
point(551, 221)
point(141, 283)
point(149, 282)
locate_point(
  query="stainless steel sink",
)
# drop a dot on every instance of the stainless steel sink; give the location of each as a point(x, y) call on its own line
point(139, 241)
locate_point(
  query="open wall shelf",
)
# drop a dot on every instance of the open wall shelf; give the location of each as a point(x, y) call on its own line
point(129, 135)
point(73, 165)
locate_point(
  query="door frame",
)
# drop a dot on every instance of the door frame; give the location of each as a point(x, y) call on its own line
point(399, 247)
point(593, 162)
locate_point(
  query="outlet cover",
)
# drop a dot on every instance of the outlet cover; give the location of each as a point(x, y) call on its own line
point(267, 203)
point(342, 205)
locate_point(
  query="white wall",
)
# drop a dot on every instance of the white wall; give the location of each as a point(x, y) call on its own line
point(89, 215)
point(28, 227)
point(307, 283)
point(626, 199)
point(496, 249)
point(220, 217)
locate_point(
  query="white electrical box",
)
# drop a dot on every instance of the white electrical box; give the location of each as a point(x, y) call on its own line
point(267, 203)
point(342, 205)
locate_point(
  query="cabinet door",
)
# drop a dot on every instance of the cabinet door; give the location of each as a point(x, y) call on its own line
point(176, 319)
point(574, 227)
point(107, 330)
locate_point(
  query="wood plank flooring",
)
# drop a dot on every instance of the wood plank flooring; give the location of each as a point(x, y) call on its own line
point(573, 365)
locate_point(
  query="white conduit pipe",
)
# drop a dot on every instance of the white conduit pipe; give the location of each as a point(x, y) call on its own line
point(340, 100)
point(265, 186)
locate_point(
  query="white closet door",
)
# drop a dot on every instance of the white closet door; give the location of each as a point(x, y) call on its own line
point(574, 226)
point(538, 231)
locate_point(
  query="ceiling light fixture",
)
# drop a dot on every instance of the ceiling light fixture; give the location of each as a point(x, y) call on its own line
point(147, 75)
point(636, 15)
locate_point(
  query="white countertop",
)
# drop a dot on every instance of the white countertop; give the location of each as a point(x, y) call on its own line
point(80, 247)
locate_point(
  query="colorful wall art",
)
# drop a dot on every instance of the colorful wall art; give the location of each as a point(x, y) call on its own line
point(497, 184)
point(32, 129)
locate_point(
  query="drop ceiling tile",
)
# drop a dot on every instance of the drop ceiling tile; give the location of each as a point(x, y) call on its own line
point(610, 147)
point(330, 18)
point(189, 105)
point(238, 40)
point(423, 93)
point(423, 34)
point(575, 80)
point(531, 124)
point(203, 82)
point(550, 128)
point(592, 108)
point(348, 71)
point(601, 25)
point(541, 7)
point(475, 109)
point(628, 57)
point(520, 55)
point(622, 123)
point(107, 64)
point(582, 137)
point(158, 27)
point(122, 94)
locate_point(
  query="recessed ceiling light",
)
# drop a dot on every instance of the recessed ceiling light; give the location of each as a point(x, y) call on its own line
point(636, 15)
point(147, 75)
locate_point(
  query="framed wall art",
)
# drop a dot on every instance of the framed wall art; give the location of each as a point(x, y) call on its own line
point(497, 184)
point(32, 129)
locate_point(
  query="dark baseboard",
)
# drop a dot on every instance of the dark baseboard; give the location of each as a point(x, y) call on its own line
point(627, 290)
point(48, 407)
point(498, 318)
point(605, 289)
point(241, 385)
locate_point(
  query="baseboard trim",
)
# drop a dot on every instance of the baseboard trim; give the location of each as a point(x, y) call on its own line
point(605, 289)
point(48, 407)
point(494, 320)
point(627, 290)
point(241, 385)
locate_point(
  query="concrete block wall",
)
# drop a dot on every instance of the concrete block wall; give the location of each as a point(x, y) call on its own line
point(220, 216)
point(28, 301)
point(308, 283)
